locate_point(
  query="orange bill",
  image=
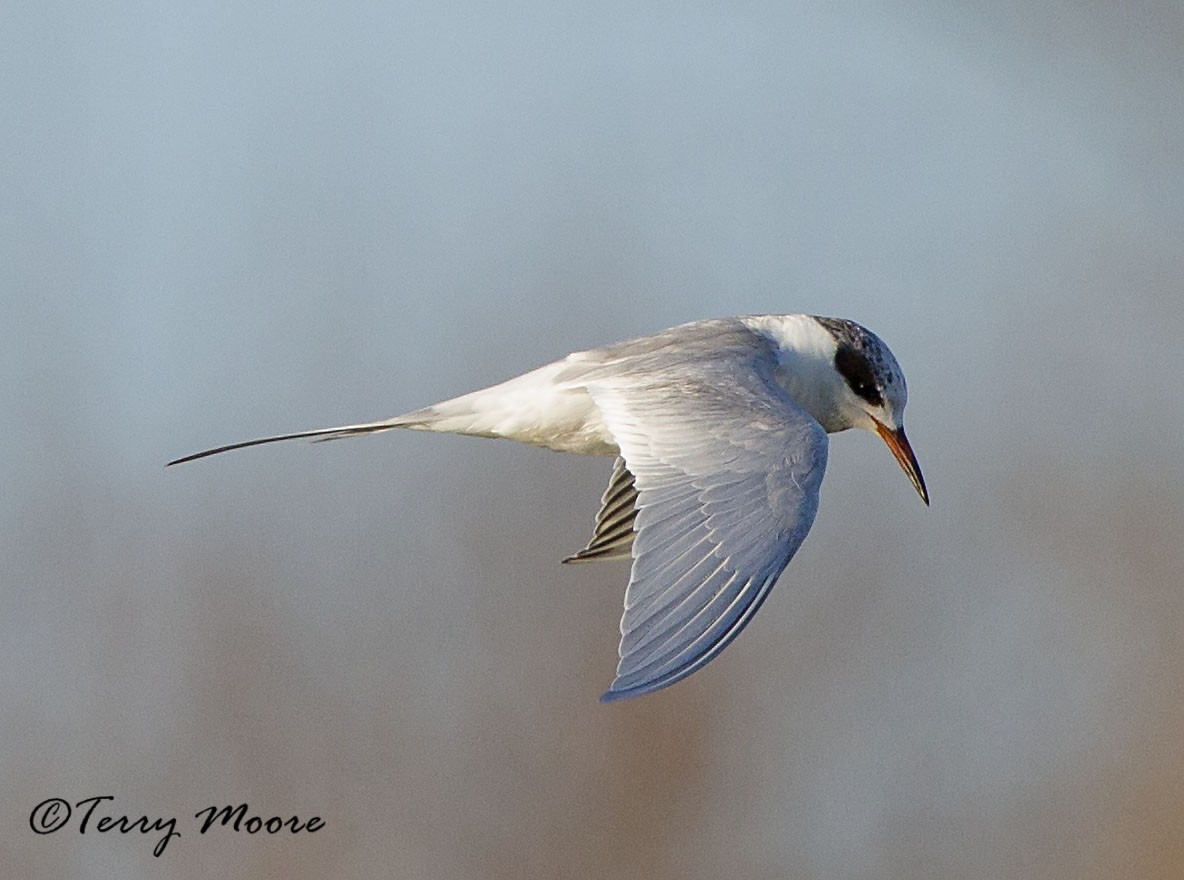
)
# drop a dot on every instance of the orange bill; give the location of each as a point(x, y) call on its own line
point(899, 444)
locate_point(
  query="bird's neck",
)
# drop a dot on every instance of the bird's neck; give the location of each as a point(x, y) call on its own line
point(806, 358)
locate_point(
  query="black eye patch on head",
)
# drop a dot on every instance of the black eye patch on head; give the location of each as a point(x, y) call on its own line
point(854, 366)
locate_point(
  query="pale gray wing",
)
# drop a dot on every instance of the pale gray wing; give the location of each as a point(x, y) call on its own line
point(727, 469)
point(613, 535)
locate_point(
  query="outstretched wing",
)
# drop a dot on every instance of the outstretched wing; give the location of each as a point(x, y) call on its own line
point(727, 469)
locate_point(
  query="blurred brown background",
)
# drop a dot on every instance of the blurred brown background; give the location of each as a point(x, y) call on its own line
point(221, 221)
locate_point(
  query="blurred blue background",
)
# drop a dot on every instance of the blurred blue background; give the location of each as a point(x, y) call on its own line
point(226, 220)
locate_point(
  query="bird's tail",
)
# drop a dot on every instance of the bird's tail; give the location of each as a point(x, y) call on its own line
point(422, 419)
point(532, 408)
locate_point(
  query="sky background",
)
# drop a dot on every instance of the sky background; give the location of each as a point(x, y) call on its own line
point(226, 220)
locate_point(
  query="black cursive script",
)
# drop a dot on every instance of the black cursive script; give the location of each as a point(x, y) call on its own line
point(53, 814)
point(237, 818)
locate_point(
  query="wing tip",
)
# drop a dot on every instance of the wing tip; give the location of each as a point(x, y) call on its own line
point(603, 554)
point(612, 696)
point(617, 692)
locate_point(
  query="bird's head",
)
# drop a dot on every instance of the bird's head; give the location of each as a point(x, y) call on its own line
point(869, 392)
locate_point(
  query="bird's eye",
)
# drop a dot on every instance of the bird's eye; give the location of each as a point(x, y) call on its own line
point(854, 366)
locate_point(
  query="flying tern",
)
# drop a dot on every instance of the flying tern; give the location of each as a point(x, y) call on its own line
point(719, 428)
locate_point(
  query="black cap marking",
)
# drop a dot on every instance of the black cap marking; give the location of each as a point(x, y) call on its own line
point(860, 359)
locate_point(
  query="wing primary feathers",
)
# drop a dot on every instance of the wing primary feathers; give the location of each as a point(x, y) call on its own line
point(613, 535)
point(726, 468)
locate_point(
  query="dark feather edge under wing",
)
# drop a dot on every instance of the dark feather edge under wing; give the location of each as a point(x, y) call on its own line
point(613, 536)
